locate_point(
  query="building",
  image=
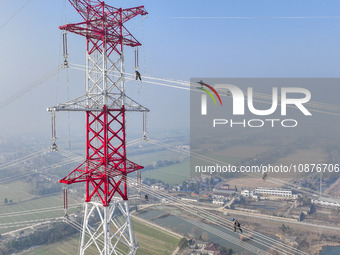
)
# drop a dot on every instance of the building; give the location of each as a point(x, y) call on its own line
point(158, 186)
point(224, 191)
point(204, 248)
point(212, 249)
point(327, 202)
point(189, 199)
point(273, 192)
point(218, 201)
point(220, 195)
point(225, 186)
point(245, 193)
point(201, 244)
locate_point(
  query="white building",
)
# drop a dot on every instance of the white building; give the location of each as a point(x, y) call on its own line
point(157, 187)
point(189, 199)
point(273, 192)
point(245, 193)
point(218, 201)
point(326, 202)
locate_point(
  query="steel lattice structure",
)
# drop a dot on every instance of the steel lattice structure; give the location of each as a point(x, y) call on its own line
point(106, 166)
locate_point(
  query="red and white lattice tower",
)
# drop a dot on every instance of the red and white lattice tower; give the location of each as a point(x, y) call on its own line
point(106, 167)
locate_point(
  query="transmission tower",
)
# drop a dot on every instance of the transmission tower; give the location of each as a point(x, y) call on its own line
point(107, 225)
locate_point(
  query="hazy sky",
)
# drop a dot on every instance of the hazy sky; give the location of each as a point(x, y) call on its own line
point(173, 48)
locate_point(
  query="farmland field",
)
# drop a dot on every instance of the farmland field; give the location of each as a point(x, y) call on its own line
point(31, 203)
point(15, 191)
point(152, 241)
point(174, 174)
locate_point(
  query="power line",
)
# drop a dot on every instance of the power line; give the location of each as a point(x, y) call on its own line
point(37, 211)
point(201, 213)
point(71, 153)
point(184, 85)
point(29, 87)
point(14, 14)
point(23, 159)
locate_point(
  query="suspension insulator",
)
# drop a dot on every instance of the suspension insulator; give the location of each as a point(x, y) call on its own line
point(145, 138)
point(54, 146)
point(136, 58)
point(65, 202)
point(65, 54)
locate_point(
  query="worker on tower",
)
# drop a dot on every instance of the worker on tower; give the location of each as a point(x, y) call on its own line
point(237, 225)
point(138, 76)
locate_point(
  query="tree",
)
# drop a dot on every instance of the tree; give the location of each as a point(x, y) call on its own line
point(185, 186)
point(302, 216)
point(283, 227)
point(305, 201)
point(197, 187)
point(222, 248)
point(311, 209)
point(241, 200)
point(229, 251)
point(183, 243)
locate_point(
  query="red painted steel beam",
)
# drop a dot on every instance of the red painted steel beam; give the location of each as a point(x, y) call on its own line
point(104, 24)
point(106, 167)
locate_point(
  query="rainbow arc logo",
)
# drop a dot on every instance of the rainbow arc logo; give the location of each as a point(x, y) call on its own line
point(209, 93)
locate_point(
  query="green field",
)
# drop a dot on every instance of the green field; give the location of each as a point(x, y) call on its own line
point(15, 191)
point(151, 241)
point(174, 174)
point(28, 202)
point(67, 246)
point(152, 157)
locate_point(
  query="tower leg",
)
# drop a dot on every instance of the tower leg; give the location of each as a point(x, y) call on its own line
point(133, 242)
point(107, 230)
point(83, 234)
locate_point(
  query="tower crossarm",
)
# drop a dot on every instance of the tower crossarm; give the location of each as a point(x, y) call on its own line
point(130, 13)
point(90, 8)
point(94, 103)
point(88, 169)
point(104, 24)
point(95, 31)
